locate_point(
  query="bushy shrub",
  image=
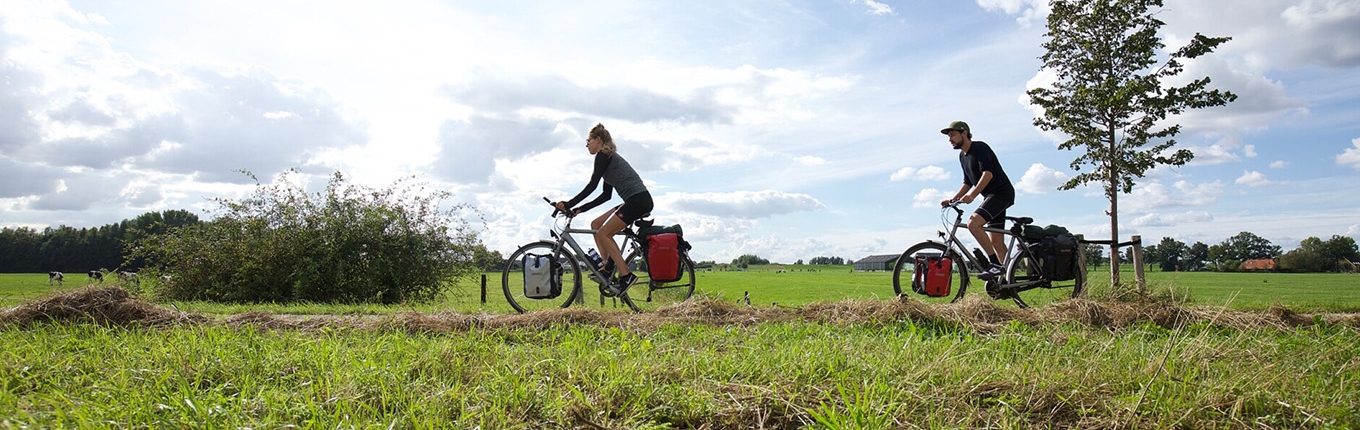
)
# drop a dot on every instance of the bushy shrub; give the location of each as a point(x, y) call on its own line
point(348, 244)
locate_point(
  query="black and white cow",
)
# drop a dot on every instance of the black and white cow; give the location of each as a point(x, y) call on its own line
point(129, 277)
point(96, 275)
point(55, 276)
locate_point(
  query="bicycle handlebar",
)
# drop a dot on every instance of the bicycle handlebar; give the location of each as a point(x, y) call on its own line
point(569, 213)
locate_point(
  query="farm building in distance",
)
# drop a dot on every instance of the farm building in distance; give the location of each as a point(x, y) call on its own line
point(1259, 264)
point(876, 262)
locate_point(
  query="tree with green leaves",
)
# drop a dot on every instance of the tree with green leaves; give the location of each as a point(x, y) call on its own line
point(1170, 252)
point(1109, 96)
point(1095, 255)
point(1196, 256)
point(1242, 247)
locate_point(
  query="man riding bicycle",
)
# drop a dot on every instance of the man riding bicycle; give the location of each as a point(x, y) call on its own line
point(982, 175)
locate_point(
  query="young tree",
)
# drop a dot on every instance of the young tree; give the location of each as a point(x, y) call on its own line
point(1109, 97)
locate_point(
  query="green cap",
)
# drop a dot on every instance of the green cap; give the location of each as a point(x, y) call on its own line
point(956, 125)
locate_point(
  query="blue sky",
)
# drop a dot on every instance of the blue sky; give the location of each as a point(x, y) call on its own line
point(785, 129)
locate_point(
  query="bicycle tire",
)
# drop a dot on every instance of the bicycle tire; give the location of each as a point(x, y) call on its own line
point(904, 268)
point(1023, 268)
point(648, 296)
point(512, 278)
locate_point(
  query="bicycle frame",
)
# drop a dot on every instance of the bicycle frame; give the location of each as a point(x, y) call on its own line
point(563, 235)
point(1012, 240)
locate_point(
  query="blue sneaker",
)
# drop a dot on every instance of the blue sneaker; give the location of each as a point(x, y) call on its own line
point(621, 285)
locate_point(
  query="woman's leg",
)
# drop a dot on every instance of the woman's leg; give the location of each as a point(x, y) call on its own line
point(604, 241)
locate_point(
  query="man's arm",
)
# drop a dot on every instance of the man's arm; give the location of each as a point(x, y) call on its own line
point(957, 196)
point(981, 185)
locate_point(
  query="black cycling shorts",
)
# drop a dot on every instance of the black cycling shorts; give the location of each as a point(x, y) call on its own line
point(993, 209)
point(635, 207)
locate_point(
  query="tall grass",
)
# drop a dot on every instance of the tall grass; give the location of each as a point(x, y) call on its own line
point(894, 374)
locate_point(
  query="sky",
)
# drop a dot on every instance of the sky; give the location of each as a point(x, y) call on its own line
point(788, 129)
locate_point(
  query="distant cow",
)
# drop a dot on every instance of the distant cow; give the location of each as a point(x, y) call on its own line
point(129, 277)
point(55, 276)
point(96, 275)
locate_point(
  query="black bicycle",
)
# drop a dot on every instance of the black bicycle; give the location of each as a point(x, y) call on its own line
point(571, 260)
point(1023, 280)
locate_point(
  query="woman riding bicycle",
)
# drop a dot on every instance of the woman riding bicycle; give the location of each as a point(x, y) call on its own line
point(637, 202)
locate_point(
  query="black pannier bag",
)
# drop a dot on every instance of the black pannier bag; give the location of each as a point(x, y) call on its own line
point(1055, 249)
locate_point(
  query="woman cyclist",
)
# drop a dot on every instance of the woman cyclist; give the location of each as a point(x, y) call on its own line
point(637, 202)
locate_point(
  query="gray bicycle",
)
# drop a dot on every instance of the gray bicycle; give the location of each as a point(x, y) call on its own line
point(1023, 280)
point(571, 261)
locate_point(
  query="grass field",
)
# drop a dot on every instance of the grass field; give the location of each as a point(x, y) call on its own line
point(800, 285)
point(835, 353)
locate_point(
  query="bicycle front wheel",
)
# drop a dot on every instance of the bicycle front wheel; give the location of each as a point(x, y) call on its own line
point(567, 270)
point(648, 295)
point(905, 268)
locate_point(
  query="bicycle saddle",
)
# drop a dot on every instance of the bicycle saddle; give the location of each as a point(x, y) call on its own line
point(1021, 220)
point(643, 222)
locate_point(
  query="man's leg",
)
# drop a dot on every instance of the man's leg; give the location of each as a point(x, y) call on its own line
point(984, 240)
point(999, 246)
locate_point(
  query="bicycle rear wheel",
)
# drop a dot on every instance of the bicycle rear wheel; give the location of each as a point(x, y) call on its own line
point(512, 278)
point(1026, 284)
point(647, 295)
point(905, 268)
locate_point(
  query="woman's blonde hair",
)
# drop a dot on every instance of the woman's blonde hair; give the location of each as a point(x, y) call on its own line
point(606, 142)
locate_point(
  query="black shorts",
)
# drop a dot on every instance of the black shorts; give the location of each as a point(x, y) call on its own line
point(993, 209)
point(634, 208)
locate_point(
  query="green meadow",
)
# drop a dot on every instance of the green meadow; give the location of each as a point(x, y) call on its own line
point(823, 349)
point(796, 285)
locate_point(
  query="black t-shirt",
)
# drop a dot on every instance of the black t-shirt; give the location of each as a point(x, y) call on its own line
point(978, 159)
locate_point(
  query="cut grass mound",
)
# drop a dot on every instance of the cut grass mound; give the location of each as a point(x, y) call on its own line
point(114, 306)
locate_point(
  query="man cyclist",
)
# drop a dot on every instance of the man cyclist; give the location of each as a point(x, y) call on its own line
point(982, 175)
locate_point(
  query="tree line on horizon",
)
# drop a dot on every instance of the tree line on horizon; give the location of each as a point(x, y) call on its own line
point(76, 250)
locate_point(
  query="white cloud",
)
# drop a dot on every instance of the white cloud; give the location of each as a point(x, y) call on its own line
point(876, 8)
point(1254, 178)
point(1169, 220)
point(1029, 10)
point(928, 173)
point(1222, 152)
point(1279, 164)
point(1328, 30)
point(1040, 179)
point(1351, 156)
point(929, 198)
point(1152, 196)
point(743, 204)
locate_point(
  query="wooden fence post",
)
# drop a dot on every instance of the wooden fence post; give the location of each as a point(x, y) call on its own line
point(483, 288)
point(1138, 265)
point(1081, 260)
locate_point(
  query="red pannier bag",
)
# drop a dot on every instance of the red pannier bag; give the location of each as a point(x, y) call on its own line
point(663, 257)
point(932, 276)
